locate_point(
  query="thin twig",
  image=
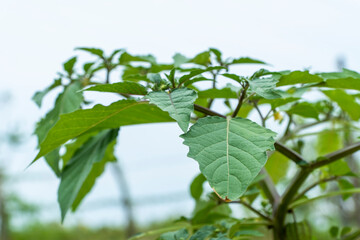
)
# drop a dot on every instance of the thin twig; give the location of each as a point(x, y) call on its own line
point(260, 114)
point(324, 180)
point(253, 209)
point(207, 111)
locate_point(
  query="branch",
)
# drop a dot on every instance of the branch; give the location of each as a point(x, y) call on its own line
point(324, 180)
point(269, 189)
point(291, 154)
point(207, 111)
point(253, 210)
point(334, 156)
point(241, 99)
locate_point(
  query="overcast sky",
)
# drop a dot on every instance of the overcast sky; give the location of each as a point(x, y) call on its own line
point(37, 36)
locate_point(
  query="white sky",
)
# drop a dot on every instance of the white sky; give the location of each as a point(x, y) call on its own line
point(37, 36)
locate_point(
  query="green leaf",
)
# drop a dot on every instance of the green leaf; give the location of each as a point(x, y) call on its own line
point(230, 152)
point(38, 96)
point(79, 167)
point(97, 169)
point(235, 77)
point(132, 88)
point(196, 187)
point(218, 93)
point(95, 51)
point(265, 87)
point(345, 101)
point(68, 101)
point(346, 79)
point(178, 103)
point(217, 53)
point(277, 166)
point(181, 234)
point(305, 110)
point(203, 233)
point(245, 60)
point(278, 102)
point(201, 59)
point(179, 59)
point(345, 184)
point(298, 77)
point(120, 113)
point(324, 146)
point(126, 58)
point(69, 66)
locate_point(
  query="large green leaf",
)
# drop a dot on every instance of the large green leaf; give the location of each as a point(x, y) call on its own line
point(79, 167)
point(120, 113)
point(132, 88)
point(346, 79)
point(178, 103)
point(346, 102)
point(230, 152)
point(298, 77)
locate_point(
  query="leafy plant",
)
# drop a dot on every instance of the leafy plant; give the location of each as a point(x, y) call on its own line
point(241, 158)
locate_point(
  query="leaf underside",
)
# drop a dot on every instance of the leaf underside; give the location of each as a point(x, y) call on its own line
point(179, 104)
point(230, 152)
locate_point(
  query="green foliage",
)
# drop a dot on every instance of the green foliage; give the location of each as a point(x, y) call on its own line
point(229, 146)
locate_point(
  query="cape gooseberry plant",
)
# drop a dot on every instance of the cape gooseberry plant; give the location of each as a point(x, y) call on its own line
point(308, 154)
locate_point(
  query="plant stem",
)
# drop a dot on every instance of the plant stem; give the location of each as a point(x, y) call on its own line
point(337, 155)
point(324, 180)
point(241, 99)
point(253, 210)
point(291, 154)
point(207, 111)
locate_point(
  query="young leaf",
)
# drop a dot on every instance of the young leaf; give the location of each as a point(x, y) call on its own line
point(126, 58)
point(69, 66)
point(126, 87)
point(80, 165)
point(120, 113)
point(38, 96)
point(180, 59)
point(245, 60)
point(230, 152)
point(201, 59)
point(298, 77)
point(196, 187)
point(346, 102)
point(95, 51)
point(178, 103)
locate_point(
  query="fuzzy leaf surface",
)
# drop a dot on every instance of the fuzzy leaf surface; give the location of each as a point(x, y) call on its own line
point(179, 104)
point(230, 152)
